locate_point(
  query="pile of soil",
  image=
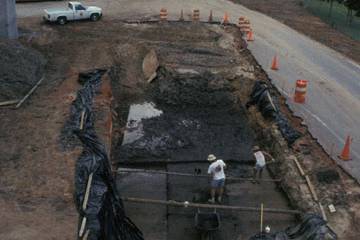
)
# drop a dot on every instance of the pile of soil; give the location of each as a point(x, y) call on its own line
point(20, 69)
point(200, 116)
point(204, 90)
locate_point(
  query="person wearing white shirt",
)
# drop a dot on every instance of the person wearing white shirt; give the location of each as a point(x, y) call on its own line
point(216, 170)
point(260, 161)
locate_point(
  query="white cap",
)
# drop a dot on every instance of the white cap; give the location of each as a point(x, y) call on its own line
point(211, 157)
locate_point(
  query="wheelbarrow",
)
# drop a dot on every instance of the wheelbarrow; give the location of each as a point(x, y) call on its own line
point(207, 223)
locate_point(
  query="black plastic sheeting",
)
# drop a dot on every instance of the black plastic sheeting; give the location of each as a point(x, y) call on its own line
point(312, 227)
point(260, 96)
point(104, 211)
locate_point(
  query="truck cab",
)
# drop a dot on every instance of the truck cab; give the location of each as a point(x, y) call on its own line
point(79, 11)
point(74, 11)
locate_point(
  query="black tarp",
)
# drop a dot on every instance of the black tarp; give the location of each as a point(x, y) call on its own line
point(312, 227)
point(104, 211)
point(267, 105)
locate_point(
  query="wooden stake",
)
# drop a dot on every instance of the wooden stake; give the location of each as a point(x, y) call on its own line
point(312, 189)
point(82, 119)
point(212, 206)
point(86, 234)
point(87, 192)
point(10, 102)
point(189, 175)
point(271, 101)
point(82, 227)
point(29, 93)
point(299, 167)
point(322, 210)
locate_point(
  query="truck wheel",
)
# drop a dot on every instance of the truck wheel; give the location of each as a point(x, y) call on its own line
point(94, 17)
point(61, 20)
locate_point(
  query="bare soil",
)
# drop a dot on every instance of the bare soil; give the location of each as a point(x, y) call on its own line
point(20, 69)
point(37, 172)
point(293, 14)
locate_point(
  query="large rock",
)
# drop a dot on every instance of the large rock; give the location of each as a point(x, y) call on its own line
point(150, 65)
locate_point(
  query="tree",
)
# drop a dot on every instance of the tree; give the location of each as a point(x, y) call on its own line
point(352, 5)
point(331, 7)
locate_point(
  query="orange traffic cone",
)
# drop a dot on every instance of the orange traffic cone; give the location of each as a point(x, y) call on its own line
point(345, 154)
point(250, 36)
point(181, 15)
point(275, 63)
point(211, 16)
point(225, 19)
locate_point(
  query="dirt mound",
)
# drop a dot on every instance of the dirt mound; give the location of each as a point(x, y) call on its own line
point(196, 90)
point(20, 69)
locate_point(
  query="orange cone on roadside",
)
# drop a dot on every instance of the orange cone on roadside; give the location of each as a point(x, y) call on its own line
point(225, 19)
point(250, 36)
point(275, 63)
point(345, 154)
point(181, 15)
point(211, 16)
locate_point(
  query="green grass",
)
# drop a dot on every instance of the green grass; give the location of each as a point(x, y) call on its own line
point(338, 17)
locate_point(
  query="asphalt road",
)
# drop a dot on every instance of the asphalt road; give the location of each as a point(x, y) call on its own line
point(332, 109)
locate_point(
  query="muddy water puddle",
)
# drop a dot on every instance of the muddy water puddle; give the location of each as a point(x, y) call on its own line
point(134, 126)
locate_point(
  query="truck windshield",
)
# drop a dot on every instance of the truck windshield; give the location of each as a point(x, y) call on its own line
point(80, 7)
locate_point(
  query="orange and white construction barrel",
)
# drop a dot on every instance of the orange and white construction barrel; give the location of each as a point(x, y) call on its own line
point(246, 27)
point(163, 14)
point(196, 15)
point(300, 91)
point(241, 22)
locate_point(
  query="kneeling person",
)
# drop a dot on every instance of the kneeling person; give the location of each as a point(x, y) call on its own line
point(216, 170)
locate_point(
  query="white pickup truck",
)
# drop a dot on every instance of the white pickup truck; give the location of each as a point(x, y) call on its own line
point(74, 11)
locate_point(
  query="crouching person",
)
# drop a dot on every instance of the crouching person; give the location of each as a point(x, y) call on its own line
point(260, 162)
point(216, 171)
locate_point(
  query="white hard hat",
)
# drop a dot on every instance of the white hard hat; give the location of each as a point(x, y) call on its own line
point(211, 157)
point(256, 148)
point(267, 229)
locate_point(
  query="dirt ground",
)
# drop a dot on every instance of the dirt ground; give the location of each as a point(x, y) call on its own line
point(293, 14)
point(37, 170)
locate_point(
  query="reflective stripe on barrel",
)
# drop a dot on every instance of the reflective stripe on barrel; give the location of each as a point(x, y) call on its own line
point(163, 14)
point(244, 25)
point(196, 15)
point(300, 91)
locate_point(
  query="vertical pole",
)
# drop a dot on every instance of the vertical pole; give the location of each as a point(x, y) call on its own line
point(261, 218)
point(8, 28)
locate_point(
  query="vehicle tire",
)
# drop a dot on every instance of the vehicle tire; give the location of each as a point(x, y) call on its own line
point(61, 20)
point(94, 17)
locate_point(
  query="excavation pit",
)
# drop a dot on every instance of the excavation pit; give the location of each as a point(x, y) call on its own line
point(192, 115)
point(195, 106)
